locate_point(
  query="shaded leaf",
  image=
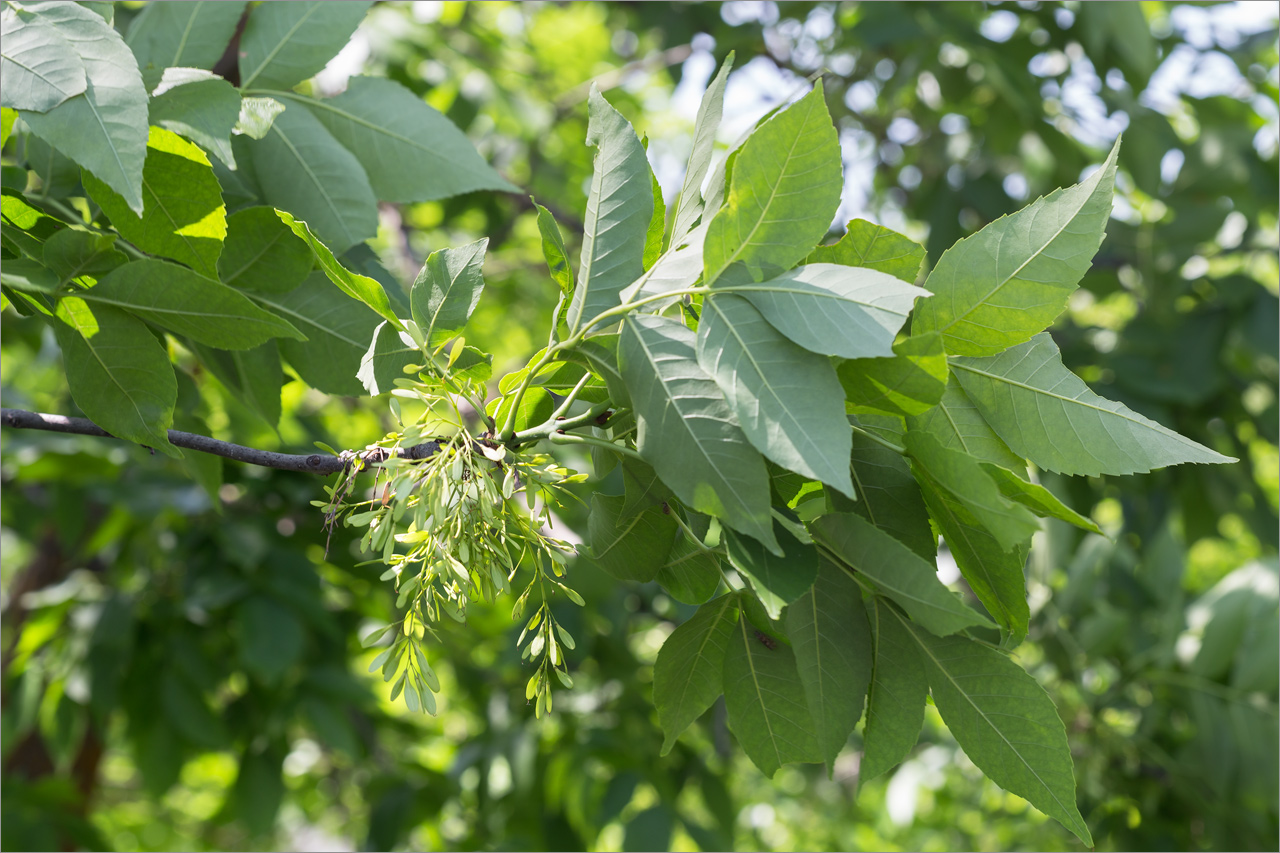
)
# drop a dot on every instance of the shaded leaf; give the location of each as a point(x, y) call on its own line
point(629, 549)
point(554, 252)
point(1037, 498)
point(285, 43)
point(910, 383)
point(691, 574)
point(765, 699)
point(301, 168)
point(254, 376)
point(959, 476)
point(687, 676)
point(71, 253)
point(338, 334)
point(896, 697)
point(262, 253)
point(896, 571)
point(776, 579)
point(182, 34)
point(832, 644)
point(384, 362)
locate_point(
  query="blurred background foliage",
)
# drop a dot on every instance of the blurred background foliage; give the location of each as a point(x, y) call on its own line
point(181, 669)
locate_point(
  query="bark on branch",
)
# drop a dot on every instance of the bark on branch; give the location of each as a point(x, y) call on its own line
point(313, 463)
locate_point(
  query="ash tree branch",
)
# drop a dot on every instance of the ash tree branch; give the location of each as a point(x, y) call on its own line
point(313, 463)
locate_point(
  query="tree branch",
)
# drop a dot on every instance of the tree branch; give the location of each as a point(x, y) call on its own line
point(314, 463)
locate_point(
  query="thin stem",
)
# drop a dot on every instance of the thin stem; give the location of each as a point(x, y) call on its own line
point(557, 438)
point(314, 463)
point(507, 432)
point(570, 397)
point(683, 525)
point(896, 448)
point(551, 425)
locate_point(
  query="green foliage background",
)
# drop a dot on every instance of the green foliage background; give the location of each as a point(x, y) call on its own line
point(174, 655)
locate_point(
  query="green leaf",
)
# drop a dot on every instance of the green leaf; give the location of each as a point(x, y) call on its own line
point(629, 549)
point(187, 303)
point(600, 354)
point(186, 710)
point(258, 791)
point(1047, 414)
point(896, 697)
point(619, 209)
point(554, 252)
point(104, 128)
point(641, 487)
point(270, 636)
point(657, 224)
point(958, 425)
point(384, 362)
point(262, 253)
point(687, 431)
point(960, 477)
point(910, 383)
point(536, 407)
point(896, 571)
point(29, 275)
point(447, 290)
point(866, 244)
point(183, 216)
point(828, 630)
point(1005, 722)
point(359, 287)
point(994, 573)
point(409, 150)
point(182, 34)
point(776, 580)
point(1001, 286)
point(889, 497)
point(688, 674)
point(338, 334)
point(71, 254)
point(786, 399)
point(691, 575)
point(7, 118)
point(118, 373)
point(200, 107)
point(689, 208)
point(766, 702)
point(284, 44)
point(301, 168)
point(41, 69)
point(783, 193)
point(833, 310)
point(1037, 498)
point(253, 376)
